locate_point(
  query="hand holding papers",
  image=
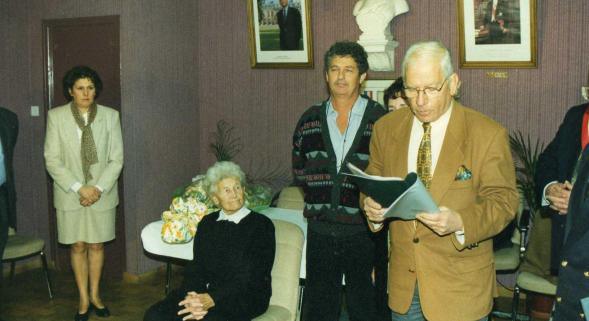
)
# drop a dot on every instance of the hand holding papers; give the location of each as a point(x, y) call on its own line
point(401, 198)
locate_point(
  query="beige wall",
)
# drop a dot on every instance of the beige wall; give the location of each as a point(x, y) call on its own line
point(185, 65)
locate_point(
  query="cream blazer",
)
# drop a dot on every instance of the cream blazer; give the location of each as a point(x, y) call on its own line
point(63, 159)
point(456, 281)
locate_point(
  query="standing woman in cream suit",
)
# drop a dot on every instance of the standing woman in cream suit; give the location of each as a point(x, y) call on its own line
point(84, 156)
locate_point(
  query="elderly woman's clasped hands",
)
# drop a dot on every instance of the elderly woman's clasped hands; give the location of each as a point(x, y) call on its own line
point(195, 305)
point(89, 195)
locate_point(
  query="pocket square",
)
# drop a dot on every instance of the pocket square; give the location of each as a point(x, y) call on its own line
point(463, 174)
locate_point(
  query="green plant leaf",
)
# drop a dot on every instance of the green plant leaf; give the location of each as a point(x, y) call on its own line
point(526, 154)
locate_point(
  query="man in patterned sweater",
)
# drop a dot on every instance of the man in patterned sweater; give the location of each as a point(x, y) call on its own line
point(328, 136)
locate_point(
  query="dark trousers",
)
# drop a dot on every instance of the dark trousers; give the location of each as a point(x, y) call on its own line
point(328, 259)
point(381, 270)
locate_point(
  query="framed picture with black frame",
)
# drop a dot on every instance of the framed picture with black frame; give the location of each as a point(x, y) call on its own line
point(280, 33)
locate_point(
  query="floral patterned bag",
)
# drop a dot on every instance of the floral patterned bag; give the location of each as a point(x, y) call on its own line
point(186, 211)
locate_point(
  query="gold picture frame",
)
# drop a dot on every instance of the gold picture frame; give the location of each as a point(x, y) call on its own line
point(497, 33)
point(279, 40)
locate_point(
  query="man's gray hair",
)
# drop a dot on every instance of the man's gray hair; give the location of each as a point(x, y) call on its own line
point(220, 171)
point(429, 49)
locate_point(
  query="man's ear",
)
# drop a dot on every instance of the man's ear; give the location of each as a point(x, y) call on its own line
point(215, 200)
point(362, 78)
point(454, 84)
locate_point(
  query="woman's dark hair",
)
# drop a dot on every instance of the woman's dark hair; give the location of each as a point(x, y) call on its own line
point(80, 72)
point(395, 90)
point(347, 48)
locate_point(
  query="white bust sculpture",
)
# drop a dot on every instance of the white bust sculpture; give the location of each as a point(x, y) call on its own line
point(373, 18)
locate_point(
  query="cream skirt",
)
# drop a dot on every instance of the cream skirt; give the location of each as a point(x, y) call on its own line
point(85, 225)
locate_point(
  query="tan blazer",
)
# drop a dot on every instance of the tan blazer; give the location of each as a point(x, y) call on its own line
point(63, 160)
point(456, 282)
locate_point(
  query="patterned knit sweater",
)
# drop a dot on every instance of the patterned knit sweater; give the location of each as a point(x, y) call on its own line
point(330, 197)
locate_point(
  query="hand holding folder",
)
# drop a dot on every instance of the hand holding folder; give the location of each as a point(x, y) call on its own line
point(401, 198)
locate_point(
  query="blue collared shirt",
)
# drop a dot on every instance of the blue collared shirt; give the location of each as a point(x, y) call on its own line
point(342, 142)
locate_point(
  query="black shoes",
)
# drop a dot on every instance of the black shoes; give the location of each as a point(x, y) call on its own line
point(101, 312)
point(82, 316)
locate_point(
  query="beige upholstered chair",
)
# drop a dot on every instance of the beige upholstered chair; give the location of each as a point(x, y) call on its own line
point(21, 247)
point(285, 273)
point(291, 197)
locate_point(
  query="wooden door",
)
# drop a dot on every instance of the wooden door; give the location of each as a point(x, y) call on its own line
point(93, 42)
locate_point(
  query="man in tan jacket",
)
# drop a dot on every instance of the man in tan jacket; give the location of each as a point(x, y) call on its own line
point(441, 265)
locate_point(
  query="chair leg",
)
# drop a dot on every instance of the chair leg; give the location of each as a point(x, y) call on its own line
point(515, 303)
point(12, 267)
point(168, 276)
point(301, 293)
point(46, 271)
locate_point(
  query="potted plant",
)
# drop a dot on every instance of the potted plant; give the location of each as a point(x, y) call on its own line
point(526, 155)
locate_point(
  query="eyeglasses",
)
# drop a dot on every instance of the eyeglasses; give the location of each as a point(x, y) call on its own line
point(428, 91)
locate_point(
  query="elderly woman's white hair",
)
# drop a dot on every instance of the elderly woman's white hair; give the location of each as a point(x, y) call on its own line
point(428, 49)
point(220, 171)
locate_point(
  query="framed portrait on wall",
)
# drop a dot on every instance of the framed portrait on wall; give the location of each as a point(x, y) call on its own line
point(497, 33)
point(280, 33)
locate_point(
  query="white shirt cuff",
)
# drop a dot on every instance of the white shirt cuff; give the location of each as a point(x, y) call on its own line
point(544, 199)
point(376, 226)
point(75, 187)
point(460, 236)
point(99, 188)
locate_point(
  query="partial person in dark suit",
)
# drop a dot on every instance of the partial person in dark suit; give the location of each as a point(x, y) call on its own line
point(8, 135)
point(555, 171)
point(573, 280)
point(291, 28)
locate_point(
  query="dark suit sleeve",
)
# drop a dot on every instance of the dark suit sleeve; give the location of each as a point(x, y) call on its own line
point(560, 154)
point(251, 290)
point(9, 121)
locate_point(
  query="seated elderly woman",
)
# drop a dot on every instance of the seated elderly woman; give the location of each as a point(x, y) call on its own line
point(229, 277)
